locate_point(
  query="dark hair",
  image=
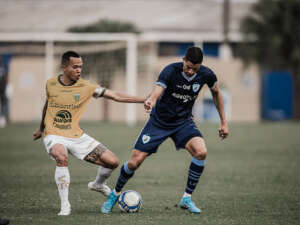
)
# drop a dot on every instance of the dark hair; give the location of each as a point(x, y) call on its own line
point(66, 57)
point(194, 55)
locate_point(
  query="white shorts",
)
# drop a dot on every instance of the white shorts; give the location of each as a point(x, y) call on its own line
point(79, 147)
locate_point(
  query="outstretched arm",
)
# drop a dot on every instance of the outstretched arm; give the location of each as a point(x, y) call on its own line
point(152, 99)
point(122, 97)
point(40, 131)
point(218, 100)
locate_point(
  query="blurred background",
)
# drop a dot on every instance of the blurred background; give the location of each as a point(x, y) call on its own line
point(252, 45)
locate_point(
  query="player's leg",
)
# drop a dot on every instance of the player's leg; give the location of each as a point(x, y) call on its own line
point(197, 149)
point(62, 177)
point(147, 143)
point(88, 149)
point(189, 137)
point(101, 156)
point(107, 162)
point(126, 172)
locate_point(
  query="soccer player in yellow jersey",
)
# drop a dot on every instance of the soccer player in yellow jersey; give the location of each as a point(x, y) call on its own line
point(67, 97)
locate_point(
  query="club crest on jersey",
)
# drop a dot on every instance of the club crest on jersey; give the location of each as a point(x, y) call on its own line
point(146, 138)
point(76, 97)
point(196, 87)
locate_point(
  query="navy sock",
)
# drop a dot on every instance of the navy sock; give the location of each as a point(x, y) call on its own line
point(195, 171)
point(125, 175)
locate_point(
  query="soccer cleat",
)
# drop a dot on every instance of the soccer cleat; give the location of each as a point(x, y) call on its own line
point(187, 203)
point(102, 188)
point(65, 211)
point(110, 202)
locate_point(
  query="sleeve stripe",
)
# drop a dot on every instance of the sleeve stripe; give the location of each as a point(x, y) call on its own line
point(213, 85)
point(161, 84)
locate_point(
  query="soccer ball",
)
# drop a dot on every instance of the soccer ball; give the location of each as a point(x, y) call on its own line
point(130, 201)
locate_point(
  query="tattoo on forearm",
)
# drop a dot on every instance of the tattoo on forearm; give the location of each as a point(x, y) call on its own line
point(95, 155)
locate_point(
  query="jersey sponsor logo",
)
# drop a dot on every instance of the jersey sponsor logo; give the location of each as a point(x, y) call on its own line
point(196, 87)
point(146, 138)
point(63, 120)
point(185, 98)
point(184, 87)
point(66, 91)
point(76, 97)
point(72, 106)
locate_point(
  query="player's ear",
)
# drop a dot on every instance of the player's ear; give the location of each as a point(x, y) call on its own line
point(63, 67)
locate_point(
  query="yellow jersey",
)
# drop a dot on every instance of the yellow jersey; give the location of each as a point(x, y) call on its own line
point(66, 105)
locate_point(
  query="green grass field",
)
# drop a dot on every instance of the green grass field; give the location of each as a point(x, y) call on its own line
point(251, 178)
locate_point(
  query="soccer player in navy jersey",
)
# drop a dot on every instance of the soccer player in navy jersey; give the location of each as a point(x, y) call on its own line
point(170, 104)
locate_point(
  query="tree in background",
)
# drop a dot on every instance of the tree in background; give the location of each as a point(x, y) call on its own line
point(105, 64)
point(106, 25)
point(272, 34)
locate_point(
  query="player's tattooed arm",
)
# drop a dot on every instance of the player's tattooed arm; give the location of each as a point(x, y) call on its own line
point(95, 156)
point(40, 131)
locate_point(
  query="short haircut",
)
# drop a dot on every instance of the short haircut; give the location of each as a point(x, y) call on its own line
point(194, 55)
point(66, 57)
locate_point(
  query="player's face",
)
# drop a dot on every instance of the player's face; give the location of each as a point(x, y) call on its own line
point(189, 68)
point(73, 70)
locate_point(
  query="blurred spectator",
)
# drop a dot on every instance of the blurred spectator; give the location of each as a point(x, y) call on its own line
point(3, 96)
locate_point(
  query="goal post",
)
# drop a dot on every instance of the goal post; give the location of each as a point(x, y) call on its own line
point(131, 74)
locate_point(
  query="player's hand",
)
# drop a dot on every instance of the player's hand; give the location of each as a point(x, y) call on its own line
point(38, 134)
point(223, 132)
point(148, 106)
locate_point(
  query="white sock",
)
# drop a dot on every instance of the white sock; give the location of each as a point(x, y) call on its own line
point(62, 179)
point(186, 195)
point(102, 174)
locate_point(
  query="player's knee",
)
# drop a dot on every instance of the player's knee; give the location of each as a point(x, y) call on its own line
point(115, 163)
point(61, 160)
point(136, 159)
point(133, 164)
point(201, 155)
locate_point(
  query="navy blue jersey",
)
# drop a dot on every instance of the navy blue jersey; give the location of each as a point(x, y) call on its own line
point(175, 105)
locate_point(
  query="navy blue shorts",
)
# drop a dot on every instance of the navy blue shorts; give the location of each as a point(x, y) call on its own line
point(153, 134)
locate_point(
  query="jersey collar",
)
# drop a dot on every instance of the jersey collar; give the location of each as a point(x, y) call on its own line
point(187, 77)
point(59, 80)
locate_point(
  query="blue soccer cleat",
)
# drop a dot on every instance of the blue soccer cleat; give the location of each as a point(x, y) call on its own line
point(187, 203)
point(110, 202)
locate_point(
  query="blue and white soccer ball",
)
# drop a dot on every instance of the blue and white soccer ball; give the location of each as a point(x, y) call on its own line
point(130, 201)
